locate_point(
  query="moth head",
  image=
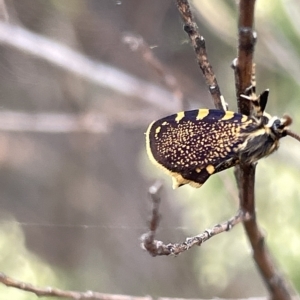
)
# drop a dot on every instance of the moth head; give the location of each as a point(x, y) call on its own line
point(279, 126)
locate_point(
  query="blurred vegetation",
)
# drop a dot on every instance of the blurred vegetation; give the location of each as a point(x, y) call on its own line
point(73, 205)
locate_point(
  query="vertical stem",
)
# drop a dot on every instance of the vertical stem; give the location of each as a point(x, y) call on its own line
point(246, 173)
point(247, 39)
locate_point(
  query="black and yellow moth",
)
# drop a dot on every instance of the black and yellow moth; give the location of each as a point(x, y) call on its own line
point(192, 145)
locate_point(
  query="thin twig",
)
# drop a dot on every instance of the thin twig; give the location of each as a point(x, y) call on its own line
point(245, 174)
point(198, 43)
point(147, 239)
point(156, 248)
point(89, 295)
point(54, 292)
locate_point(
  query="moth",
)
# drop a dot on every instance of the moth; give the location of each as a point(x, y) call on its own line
point(193, 145)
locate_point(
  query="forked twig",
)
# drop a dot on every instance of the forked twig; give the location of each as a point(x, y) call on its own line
point(158, 248)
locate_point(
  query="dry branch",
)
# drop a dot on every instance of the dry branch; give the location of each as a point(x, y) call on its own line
point(245, 174)
point(198, 42)
point(89, 295)
point(156, 248)
point(54, 292)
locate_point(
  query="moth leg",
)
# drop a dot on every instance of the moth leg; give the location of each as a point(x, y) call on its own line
point(259, 102)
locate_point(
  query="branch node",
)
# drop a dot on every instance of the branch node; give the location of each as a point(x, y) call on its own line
point(189, 28)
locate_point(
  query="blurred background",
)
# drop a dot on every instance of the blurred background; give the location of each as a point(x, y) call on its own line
point(74, 176)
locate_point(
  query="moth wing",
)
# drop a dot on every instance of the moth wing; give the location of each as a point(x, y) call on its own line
point(192, 145)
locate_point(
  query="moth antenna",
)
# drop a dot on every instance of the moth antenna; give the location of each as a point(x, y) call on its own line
point(293, 135)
